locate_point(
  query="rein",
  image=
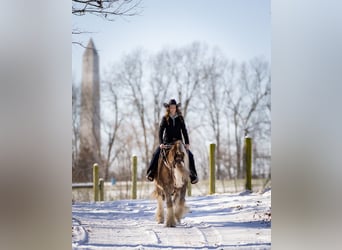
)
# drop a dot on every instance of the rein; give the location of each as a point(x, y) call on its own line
point(164, 152)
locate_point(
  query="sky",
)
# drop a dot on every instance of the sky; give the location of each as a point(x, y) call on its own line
point(240, 28)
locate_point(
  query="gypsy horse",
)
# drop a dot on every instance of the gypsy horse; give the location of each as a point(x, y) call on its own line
point(172, 180)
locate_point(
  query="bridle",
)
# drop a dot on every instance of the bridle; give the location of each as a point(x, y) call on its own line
point(178, 157)
point(165, 151)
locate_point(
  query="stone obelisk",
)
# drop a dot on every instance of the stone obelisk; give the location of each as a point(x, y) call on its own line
point(90, 141)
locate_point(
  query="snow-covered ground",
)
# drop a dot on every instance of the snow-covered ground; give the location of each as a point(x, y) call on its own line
point(222, 221)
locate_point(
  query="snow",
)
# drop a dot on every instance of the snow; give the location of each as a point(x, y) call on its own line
point(221, 221)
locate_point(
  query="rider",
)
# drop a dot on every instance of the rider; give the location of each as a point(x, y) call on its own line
point(171, 129)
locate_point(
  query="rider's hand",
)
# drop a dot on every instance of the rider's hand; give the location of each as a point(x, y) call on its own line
point(187, 146)
point(162, 146)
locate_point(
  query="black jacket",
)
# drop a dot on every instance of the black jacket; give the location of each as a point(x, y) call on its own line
point(171, 130)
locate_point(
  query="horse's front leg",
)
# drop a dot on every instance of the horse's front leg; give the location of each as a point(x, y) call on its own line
point(170, 220)
point(160, 210)
point(180, 208)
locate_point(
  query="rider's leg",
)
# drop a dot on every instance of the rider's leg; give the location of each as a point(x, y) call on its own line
point(193, 172)
point(151, 171)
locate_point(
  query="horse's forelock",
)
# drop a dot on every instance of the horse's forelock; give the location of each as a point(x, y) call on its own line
point(176, 148)
point(180, 146)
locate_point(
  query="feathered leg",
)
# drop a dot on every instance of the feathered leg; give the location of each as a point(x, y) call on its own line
point(170, 220)
point(160, 210)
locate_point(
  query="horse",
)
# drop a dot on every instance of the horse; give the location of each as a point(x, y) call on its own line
point(172, 180)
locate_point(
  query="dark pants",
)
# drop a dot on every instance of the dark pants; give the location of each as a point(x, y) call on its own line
point(154, 163)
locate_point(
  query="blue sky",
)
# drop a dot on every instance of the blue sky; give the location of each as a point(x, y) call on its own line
point(240, 28)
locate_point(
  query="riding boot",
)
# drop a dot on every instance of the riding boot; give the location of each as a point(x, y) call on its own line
point(151, 171)
point(193, 172)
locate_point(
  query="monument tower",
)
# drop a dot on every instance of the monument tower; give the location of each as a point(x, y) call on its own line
point(90, 140)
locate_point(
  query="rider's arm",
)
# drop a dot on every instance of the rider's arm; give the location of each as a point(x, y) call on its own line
point(185, 133)
point(162, 127)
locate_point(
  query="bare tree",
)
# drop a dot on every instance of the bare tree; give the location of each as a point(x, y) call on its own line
point(231, 100)
point(131, 76)
point(246, 103)
point(112, 124)
point(235, 106)
point(188, 72)
point(75, 124)
point(126, 142)
point(214, 97)
point(160, 81)
point(105, 9)
point(228, 156)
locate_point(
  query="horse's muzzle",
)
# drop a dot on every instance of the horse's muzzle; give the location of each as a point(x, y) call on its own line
point(179, 158)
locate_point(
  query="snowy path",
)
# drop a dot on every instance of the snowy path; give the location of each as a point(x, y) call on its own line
point(225, 221)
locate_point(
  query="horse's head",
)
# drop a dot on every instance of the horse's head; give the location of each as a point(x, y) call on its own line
point(178, 155)
point(179, 161)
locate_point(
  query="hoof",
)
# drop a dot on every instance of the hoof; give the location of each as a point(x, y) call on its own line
point(160, 220)
point(171, 223)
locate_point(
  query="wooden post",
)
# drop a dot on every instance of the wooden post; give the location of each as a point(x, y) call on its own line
point(212, 168)
point(248, 159)
point(101, 189)
point(96, 181)
point(134, 177)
